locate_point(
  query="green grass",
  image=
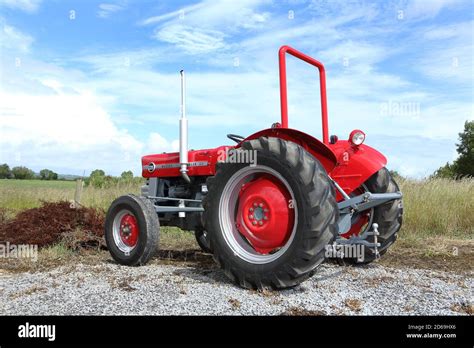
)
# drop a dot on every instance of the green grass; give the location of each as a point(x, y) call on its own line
point(438, 216)
point(432, 208)
point(34, 184)
point(17, 195)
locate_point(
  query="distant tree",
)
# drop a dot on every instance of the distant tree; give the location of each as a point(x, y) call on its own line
point(97, 172)
point(464, 165)
point(23, 173)
point(127, 175)
point(110, 181)
point(446, 172)
point(46, 174)
point(5, 172)
point(395, 174)
point(97, 178)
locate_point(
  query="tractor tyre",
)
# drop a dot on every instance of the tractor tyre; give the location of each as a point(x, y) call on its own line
point(269, 222)
point(203, 240)
point(388, 216)
point(131, 230)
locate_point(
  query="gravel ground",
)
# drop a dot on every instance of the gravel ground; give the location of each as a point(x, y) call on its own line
point(182, 289)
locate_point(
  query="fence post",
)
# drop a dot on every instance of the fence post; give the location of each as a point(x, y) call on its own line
point(77, 194)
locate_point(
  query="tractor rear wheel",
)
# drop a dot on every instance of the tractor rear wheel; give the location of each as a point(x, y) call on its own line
point(203, 240)
point(388, 216)
point(269, 223)
point(131, 230)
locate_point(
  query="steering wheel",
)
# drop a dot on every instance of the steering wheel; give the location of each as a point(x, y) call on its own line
point(235, 137)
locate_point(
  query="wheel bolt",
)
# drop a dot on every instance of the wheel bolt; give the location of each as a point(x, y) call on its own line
point(260, 205)
point(250, 217)
point(251, 209)
point(254, 222)
point(265, 210)
point(265, 217)
point(255, 204)
point(260, 223)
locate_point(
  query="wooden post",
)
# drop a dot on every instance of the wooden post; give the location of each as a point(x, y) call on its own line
point(77, 194)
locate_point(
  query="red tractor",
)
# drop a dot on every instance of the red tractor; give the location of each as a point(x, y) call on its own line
point(272, 207)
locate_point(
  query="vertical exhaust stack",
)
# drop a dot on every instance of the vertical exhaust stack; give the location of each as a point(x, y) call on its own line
point(183, 132)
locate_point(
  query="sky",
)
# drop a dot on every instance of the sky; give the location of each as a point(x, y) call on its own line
point(88, 84)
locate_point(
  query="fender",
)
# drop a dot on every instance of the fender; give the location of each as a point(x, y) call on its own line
point(315, 147)
point(355, 164)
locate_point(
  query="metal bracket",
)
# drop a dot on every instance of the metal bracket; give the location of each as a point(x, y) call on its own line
point(362, 240)
point(368, 200)
point(181, 208)
point(359, 203)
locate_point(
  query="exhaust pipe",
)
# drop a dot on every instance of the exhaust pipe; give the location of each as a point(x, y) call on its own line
point(183, 132)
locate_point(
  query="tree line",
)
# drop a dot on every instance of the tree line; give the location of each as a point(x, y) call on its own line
point(462, 167)
point(24, 173)
point(97, 178)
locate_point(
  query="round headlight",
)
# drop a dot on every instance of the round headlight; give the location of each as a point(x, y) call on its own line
point(357, 137)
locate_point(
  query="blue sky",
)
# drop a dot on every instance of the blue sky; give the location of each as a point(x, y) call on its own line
point(89, 84)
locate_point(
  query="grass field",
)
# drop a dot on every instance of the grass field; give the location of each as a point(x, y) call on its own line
point(438, 214)
point(17, 195)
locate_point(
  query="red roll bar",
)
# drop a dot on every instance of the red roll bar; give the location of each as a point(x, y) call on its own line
point(283, 91)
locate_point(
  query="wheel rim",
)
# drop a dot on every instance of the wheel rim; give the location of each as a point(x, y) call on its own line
point(125, 231)
point(362, 221)
point(258, 214)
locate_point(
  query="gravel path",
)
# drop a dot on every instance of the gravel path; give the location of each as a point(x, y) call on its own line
point(179, 289)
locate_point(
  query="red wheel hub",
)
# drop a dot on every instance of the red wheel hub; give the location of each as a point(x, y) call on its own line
point(129, 230)
point(265, 215)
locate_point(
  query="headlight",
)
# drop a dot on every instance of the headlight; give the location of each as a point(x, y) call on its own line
point(357, 137)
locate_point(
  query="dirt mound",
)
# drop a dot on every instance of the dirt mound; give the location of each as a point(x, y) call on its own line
point(51, 223)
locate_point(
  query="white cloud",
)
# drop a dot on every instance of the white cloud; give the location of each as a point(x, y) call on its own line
point(450, 54)
point(200, 28)
point(105, 9)
point(68, 131)
point(172, 15)
point(191, 40)
point(127, 88)
point(157, 144)
point(229, 14)
point(13, 40)
point(23, 5)
point(422, 9)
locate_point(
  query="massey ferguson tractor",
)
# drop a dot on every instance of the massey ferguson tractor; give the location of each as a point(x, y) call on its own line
point(271, 207)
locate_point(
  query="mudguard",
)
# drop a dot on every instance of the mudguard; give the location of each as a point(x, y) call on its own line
point(315, 147)
point(350, 166)
point(355, 164)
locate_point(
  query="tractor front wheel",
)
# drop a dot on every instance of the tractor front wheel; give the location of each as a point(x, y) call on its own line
point(131, 230)
point(269, 222)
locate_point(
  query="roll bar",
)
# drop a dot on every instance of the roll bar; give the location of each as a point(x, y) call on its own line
point(283, 89)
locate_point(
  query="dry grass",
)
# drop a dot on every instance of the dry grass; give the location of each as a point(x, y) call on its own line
point(438, 207)
point(438, 226)
point(437, 232)
point(353, 304)
point(17, 195)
